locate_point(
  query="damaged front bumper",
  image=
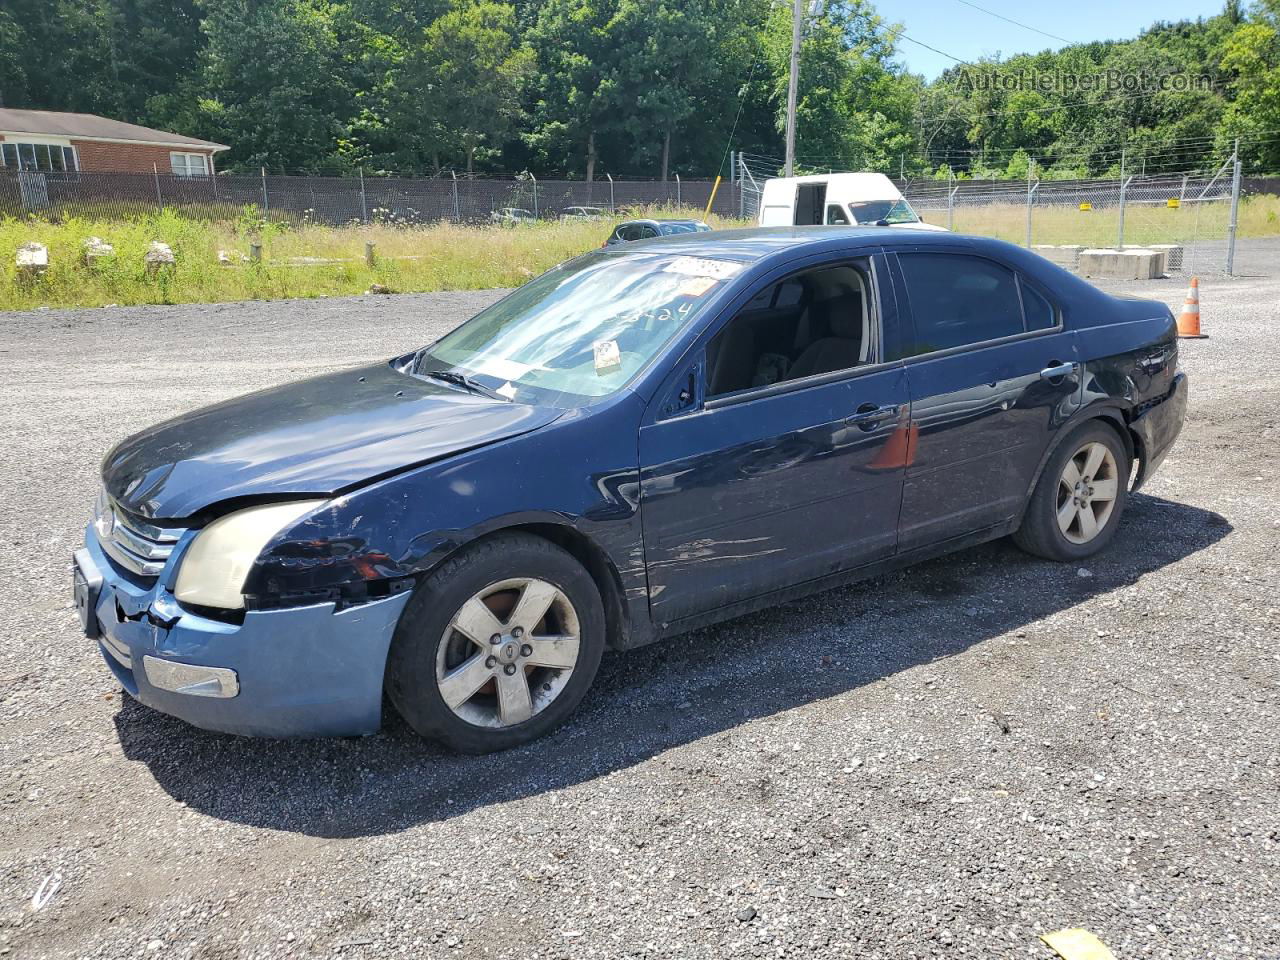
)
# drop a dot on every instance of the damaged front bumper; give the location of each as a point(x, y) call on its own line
point(305, 671)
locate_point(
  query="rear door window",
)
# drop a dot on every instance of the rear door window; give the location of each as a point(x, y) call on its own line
point(958, 300)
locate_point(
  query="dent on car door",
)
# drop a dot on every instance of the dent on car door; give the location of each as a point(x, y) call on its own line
point(780, 461)
point(983, 348)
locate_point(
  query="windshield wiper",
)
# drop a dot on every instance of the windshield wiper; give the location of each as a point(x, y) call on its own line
point(462, 380)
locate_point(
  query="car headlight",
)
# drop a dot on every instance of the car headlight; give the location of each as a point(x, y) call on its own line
point(219, 559)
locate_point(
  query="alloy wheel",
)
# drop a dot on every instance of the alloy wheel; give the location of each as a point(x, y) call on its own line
point(1087, 492)
point(508, 652)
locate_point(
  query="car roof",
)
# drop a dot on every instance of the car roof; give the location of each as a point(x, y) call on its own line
point(758, 243)
point(761, 247)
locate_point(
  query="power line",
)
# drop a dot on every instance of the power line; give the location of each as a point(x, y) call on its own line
point(742, 99)
point(876, 22)
point(1017, 23)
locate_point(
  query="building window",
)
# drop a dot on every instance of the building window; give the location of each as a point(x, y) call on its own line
point(189, 164)
point(46, 157)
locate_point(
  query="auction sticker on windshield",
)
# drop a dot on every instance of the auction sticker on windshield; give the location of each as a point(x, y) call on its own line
point(704, 267)
point(696, 286)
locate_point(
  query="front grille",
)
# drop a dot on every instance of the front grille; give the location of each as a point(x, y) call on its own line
point(140, 547)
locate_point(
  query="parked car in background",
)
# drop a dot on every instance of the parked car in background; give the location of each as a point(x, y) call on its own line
point(837, 199)
point(647, 229)
point(643, 440)
point(584, 213)
point(511, 216)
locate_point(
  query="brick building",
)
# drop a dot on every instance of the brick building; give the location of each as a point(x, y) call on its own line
point(65, 142)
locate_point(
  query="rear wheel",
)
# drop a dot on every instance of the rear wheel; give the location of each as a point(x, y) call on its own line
point(1076, 506)
point(498, 646)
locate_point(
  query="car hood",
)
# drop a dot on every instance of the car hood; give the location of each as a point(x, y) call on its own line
point(319, 436)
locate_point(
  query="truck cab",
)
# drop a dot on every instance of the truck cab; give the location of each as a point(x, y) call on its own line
point(842, 199)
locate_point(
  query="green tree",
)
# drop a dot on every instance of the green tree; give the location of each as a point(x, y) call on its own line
point(855, 106)
point(1251, 54)
point(574, 106)
point(13, 70)
point(478, 71)
point(272, 83)
point(668, 69)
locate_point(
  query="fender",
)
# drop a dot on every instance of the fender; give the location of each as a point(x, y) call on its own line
point(623, 630)
point(1113, 411)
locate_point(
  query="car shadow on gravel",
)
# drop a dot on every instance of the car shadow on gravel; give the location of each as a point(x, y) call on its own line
point(650, 700)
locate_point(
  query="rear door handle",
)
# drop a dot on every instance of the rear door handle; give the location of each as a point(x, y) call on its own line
point(1057, 371)
point(868, 416)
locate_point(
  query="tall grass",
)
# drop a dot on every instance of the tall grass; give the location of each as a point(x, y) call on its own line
point(1143, 223)
point(436, 257)
point(452, 257)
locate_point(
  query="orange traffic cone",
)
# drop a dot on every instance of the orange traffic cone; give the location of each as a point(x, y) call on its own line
point(900, 449)
point(1189, 318)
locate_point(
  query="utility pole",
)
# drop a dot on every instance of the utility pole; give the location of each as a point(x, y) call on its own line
point(793, 82)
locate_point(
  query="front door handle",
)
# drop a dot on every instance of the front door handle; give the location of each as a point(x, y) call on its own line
point(869, 416)
point(1057, 371)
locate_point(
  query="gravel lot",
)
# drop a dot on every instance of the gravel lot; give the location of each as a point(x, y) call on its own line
point(948, 761)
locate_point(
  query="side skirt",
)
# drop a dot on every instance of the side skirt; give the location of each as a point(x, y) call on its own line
point(822, 584)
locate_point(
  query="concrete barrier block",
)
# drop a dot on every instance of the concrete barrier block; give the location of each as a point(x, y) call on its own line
point(95, 249)
point(1162, 259)
point(1173, 254)
point(32, 259)
point(1148, 263)
point(1119, 264)
point(159, 256)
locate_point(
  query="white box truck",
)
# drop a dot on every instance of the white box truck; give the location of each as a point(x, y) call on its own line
point(837, 198)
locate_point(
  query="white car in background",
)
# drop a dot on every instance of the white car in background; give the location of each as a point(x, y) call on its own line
point(584, 213)
point(837, 199)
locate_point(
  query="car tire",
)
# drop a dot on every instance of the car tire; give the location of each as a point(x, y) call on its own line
point(1077, 503)
point(437, 656)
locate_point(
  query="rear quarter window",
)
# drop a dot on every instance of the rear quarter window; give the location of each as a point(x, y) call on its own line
point(1041, 314)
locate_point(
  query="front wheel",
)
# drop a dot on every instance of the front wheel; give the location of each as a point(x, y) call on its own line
point(498, 646)
point(1076, 506)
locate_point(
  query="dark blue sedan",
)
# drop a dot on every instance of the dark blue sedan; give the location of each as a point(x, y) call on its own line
point(646, 439)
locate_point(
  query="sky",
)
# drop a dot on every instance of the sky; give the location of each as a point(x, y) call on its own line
point(968, 33)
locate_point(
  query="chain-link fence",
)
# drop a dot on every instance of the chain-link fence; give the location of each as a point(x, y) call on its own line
point(1190, 216)
point(342, 200)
